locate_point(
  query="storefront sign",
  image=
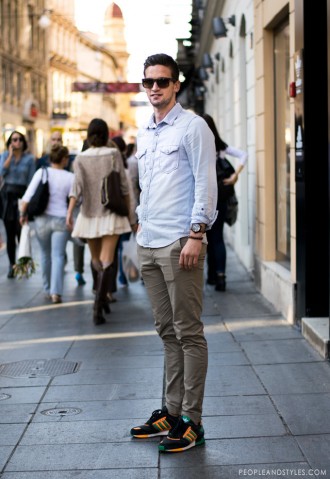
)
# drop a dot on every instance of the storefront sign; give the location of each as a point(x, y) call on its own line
point(98, 87)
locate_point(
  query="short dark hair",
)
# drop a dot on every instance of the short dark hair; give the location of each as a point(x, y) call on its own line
point(166, 61)
point(25, 145)
point(98, 132)
point(57, 153)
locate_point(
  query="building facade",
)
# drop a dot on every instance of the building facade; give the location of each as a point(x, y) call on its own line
point(23, 71)
point(42, 54)
point(259, 77)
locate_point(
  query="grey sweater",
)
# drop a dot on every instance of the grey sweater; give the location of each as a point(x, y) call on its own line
point(90, 167)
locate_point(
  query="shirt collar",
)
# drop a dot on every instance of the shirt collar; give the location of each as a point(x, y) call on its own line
point(169, 118)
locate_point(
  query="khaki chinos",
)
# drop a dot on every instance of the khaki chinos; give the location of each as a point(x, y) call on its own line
point(176, 298)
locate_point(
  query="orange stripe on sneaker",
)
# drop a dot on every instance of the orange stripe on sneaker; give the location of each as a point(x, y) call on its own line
point(162, 424)
point(190, 435)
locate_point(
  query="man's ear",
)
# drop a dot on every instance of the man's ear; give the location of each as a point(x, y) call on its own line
point(177, 86)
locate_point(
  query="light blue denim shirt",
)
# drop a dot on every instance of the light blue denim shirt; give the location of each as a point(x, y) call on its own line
point(177, 177)
point(20, 173)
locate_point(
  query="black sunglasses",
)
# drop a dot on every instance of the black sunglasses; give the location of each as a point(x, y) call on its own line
point(17, 139)
point(161, 82)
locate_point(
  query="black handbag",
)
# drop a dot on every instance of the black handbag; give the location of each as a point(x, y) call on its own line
point(111, 195)
point(39, 201)
point(224, 170)
point(231, 210)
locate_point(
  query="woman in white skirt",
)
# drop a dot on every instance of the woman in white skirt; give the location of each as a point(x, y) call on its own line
point(95, 223)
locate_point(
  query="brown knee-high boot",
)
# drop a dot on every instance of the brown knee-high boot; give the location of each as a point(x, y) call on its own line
point(101, 302)
point(95, 274)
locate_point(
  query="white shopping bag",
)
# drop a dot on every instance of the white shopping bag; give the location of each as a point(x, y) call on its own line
point(24, 266)
point(130, 259)
point(24, 248)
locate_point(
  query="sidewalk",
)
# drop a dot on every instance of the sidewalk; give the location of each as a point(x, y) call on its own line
point(67, 406)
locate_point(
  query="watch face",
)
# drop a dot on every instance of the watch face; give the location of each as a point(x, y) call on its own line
point(196, 228)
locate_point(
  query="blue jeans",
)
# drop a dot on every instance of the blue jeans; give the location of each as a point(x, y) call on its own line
point(216, 248)
point(52, 235)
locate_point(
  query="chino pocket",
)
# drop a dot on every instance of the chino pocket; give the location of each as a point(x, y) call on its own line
point(169, 158)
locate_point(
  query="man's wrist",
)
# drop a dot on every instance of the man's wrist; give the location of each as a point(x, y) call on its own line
point(200, 238)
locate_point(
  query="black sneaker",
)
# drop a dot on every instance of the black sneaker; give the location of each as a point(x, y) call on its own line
point(185, 435)
point(160, 423)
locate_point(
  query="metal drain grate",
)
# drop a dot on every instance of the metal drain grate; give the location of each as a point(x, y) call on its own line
point(38, 368)
point(65, 411)
point(4, 396)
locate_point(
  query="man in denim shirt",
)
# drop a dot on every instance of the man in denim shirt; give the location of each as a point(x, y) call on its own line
point(176, 156)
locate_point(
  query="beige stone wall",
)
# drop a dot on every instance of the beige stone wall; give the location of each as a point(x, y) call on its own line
point(275, 281)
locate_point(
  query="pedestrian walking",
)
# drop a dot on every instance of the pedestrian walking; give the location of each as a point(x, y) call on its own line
point(176, 156)
point(17, 167)
point(55, 140)
point(122, 278)
point(51, 231)
point(216, 248)
point(95, 223)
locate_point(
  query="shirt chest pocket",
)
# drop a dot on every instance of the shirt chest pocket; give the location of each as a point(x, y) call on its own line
point(141, 156)
point(169, 158)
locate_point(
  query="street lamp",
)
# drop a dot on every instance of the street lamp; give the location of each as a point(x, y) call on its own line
point(44, 20)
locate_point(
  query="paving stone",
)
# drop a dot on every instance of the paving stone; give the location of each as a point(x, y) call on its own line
point(80, 432)
point(105, 392)
point(58, 350)
point(5, 452)
point(243, 305)
point(271, 471)
point(231, 358)
point(295, 378)
point(83, 456)
point(260, 329)
point(317, 450)
point(305, 413)
point(237, 405)
point(142, 342)
point(148, 473)
point(227, 345)
point(137, 375)
point(280, 351)
point(232, 380)
point(237, 451)
point(110, 361)
point(23, 395)
point(10, 434)
point(224, 427)
point(6, 382)
point(101, 410)
point(16, 413)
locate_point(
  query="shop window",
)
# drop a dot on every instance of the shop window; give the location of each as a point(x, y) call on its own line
point(282, 142)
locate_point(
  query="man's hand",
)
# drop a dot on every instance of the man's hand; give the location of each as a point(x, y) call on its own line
point(190, 254)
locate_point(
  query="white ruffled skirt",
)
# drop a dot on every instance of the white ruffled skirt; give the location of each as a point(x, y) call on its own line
point(96, 227)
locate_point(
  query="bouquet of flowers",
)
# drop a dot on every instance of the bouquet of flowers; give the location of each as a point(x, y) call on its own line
point(25, 265)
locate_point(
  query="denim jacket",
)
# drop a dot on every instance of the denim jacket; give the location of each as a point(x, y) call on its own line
point(176, 161)
point(18, 173)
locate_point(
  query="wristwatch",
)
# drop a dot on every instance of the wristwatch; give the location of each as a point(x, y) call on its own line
point(197, 228)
